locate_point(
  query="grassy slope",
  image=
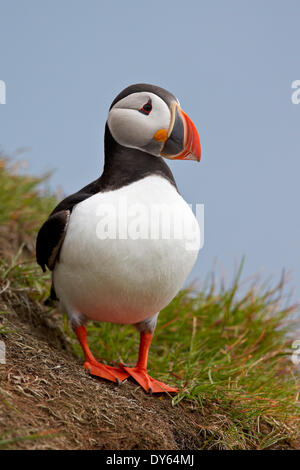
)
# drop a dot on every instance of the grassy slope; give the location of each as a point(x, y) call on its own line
point(226, 349)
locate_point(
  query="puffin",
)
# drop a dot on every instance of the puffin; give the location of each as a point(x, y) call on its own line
point(121, 247)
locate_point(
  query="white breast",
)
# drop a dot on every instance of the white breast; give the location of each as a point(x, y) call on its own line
point(127, 252)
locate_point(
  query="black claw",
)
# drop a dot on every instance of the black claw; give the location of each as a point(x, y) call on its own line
point(118, 382)
point(150, 392)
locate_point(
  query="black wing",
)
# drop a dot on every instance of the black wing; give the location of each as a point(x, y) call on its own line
point(50, 239)
point(52, 233)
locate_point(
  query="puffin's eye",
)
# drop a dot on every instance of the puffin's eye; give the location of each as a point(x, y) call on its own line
point(147, 108)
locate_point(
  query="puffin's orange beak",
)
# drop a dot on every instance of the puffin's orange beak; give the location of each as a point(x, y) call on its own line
point(183, 142)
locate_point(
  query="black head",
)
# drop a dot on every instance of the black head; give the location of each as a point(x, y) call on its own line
point(149, 118)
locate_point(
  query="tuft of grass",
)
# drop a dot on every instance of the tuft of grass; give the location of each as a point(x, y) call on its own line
point(23, 210)
point(7, 442)
point(227, 348)
point(22, 205)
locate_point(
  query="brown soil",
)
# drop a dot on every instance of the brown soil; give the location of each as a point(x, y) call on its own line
point(44, 390)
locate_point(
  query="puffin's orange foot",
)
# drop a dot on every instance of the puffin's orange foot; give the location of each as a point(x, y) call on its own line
point(114, 374)
point(148, 383)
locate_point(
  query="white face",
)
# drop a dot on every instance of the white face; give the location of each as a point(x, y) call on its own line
point(132, 127)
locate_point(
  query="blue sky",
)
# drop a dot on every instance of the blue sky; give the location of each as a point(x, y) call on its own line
point(231, 64)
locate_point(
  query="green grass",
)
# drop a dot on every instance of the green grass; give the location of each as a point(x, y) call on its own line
point(227, 348)
point(22, 211)
point(20, 198)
